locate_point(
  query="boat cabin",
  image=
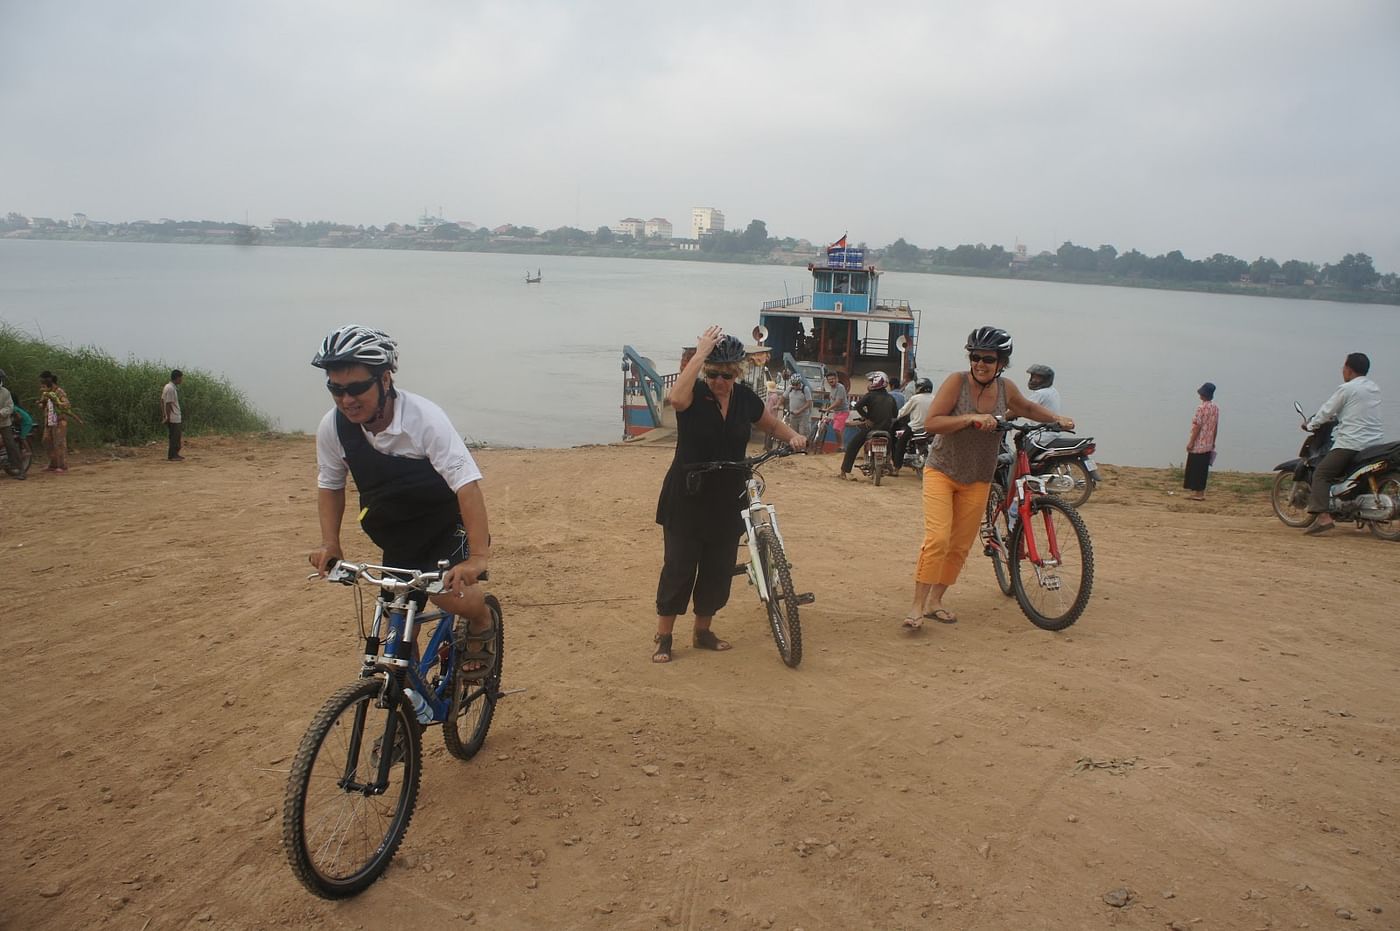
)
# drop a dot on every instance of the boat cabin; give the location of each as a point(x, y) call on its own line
point(845, 323)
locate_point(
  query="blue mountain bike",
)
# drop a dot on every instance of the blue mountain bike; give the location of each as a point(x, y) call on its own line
point(354, 780)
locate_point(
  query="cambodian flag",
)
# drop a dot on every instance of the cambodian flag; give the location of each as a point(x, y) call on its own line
point(838, 244)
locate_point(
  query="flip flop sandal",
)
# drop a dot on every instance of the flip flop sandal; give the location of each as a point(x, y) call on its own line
point(912, 622)
point(706, 640)
point(943, 616)
point(663, 648)
point(1315, 529)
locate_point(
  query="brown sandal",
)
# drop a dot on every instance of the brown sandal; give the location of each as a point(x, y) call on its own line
point(663, 648)
point(706, 640)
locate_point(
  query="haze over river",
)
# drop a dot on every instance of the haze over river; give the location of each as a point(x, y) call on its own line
point(540, 365)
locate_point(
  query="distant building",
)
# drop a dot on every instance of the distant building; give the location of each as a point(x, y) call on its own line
point(686, 245)
point(1019, 255)
point(80, 221)
point(630, 226)
point(658, 228)
point(705, 220)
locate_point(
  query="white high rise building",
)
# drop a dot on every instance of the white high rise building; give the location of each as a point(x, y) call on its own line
point(705, 220)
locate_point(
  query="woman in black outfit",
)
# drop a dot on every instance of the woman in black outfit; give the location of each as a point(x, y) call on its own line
point(701, 518)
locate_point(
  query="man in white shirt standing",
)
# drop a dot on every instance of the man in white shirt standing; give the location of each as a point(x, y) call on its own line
point(1356, 408)
point(170, 415)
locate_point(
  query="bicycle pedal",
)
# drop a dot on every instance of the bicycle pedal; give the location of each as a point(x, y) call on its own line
point(805, 598)
point(740, 570)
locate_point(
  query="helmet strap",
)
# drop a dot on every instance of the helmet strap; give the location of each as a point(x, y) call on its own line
point(384, 397)
point(985, 383)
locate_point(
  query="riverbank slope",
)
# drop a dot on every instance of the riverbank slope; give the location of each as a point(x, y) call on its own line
point(1217, 734)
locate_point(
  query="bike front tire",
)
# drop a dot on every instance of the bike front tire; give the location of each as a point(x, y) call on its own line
point(1281, 498)
point(1052, 597)
point(340, 839)
point(473, 702)
point(782, 600)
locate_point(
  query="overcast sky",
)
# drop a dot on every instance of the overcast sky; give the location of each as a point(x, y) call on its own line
point(1243, 127)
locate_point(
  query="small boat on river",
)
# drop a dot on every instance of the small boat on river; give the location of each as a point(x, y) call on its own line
point(539, 276)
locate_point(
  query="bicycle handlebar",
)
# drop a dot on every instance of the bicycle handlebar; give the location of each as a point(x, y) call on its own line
point(1011, 426)
point(777, 452)
point(394, 579)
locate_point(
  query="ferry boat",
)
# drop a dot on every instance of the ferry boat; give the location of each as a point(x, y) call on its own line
point(844, 326)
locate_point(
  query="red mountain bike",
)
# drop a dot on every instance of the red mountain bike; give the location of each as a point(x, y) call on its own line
point(1039, 546)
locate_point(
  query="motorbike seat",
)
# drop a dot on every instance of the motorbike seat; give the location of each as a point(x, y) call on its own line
point(1387, 450)
point(1060, 445)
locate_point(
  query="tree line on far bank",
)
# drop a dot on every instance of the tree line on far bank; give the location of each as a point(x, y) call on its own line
point(1353, 277)
point(1353, 272)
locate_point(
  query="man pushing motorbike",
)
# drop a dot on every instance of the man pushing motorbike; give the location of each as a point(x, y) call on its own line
point(1356, 408)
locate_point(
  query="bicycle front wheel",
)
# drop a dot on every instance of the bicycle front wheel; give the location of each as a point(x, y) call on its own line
point(997, 534)
point(340, 826)
point(1052, 592)
point(474, 700)
point(782, 600)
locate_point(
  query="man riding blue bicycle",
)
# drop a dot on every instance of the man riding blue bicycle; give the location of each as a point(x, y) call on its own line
point(420, 489)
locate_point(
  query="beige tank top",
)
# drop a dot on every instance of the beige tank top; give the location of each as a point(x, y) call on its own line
point(969, 455)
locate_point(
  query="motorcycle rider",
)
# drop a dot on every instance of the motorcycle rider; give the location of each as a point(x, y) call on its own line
point(1042, 387)
point(1356, 408)
point(912, 415)
point(877, 410)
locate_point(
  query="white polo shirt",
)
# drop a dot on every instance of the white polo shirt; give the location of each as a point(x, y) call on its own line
point(419, 430)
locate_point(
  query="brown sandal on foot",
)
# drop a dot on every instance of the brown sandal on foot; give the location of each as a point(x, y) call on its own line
point(663, 648)
point(706, 640)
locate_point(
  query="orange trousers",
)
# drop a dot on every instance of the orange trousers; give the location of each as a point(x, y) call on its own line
point(952, 513)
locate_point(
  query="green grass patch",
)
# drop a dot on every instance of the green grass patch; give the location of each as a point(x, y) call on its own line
point(119, 402)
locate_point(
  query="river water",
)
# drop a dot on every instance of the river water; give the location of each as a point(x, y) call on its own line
point(540, 365)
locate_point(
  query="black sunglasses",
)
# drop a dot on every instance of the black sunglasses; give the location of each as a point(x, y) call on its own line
point(727, 376)
point(354, 388)
point(989, 360)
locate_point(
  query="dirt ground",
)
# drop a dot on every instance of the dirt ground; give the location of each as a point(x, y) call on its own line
point(1217, 735)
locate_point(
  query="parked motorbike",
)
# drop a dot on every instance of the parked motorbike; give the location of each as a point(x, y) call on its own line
point(1065, 461)
point(1369, 494)
point(878, 459)
point(916, 445)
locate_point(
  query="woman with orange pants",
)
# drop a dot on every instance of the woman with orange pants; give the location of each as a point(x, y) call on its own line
point(961, 464)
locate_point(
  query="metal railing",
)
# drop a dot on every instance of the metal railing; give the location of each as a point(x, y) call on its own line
point(783, 302)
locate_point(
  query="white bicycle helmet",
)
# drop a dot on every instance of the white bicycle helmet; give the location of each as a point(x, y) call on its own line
point(877, 380)
point(358, 345)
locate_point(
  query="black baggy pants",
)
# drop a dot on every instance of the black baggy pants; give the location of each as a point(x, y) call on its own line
point(697, 568)
point(174, 448)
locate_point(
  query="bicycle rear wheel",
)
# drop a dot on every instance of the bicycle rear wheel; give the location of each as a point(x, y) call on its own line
point(339, 828)
point(997, 534)
point(473, 700)
point(782, 600)
point(1054, 593)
